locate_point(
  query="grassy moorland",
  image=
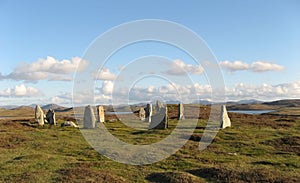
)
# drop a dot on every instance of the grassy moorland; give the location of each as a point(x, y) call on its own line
point(257, 148)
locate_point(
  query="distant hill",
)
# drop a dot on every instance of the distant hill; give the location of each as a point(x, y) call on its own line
point(8, 106)
point(251, 101)
point(285, 103)
point(264, 105)
point(23, 108)
point(173, 102)
point(53, 106)
point(203, 102)
point(32, 105)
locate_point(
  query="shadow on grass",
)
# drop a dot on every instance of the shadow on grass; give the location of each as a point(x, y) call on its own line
point(223, 174)
point(84, 172)
point(286, 144)
point(174, 177)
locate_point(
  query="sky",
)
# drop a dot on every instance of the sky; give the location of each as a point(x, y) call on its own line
point(43, 43)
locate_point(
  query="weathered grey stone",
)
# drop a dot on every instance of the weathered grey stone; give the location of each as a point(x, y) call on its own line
point(159, 105)
point(39, 115)
point(69, 123)
point(160, 119)
point(148, 111)
point(180, 112)
point(89, 120)
point(224, 121)
point(142, 114)
point(50, 116)
point(101, 114)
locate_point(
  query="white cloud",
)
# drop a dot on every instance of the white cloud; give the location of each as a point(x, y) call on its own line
point(261, 66)
point(184, 93)
point(107, 87)
point(190, 93)
point(47, 69)
point(54, 77)
point(20, 91)
point(178, 67)
point(234, 66)
point(137, 94)
point(64, 99)
point(58, 100)
point(258, 66)
point(264, 91)
point(1, 76)
point(105, 74)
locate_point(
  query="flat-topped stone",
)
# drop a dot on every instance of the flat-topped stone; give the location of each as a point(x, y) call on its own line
point(69, 123)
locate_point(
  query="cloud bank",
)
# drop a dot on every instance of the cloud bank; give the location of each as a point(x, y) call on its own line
point(105, 74)
point(47, 69)
point(20, 91)
point(258, 66)
point(178, 67)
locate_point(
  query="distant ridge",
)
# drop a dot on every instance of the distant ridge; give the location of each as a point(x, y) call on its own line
point(52, 106)
point(203, 102)
point(22, 108)
point(281, 103)
point(8, 106)
point(251, 101)
point(285, 103)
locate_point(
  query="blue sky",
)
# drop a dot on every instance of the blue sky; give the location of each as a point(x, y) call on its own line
point(256, 42)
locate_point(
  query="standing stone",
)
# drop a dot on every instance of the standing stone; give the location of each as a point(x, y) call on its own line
point(89, 120)
point(148, 111)
point(142, 114)
point(39, 115)
point(225, 121)
point(101, 117)
point(159, 105)
point(160, 119)
point(180, 112)
point(50, 116)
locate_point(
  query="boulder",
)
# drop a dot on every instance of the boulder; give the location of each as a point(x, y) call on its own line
point(69, 123)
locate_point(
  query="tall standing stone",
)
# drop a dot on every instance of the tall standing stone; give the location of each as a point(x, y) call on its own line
point(50, 116)
point(39, 115)
point(142, 114)
point(89, 120)
point(101, 116)
point(160, 119)
point(148, 111)
point(180, 112)
point(225, 121)
point(159, 105)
